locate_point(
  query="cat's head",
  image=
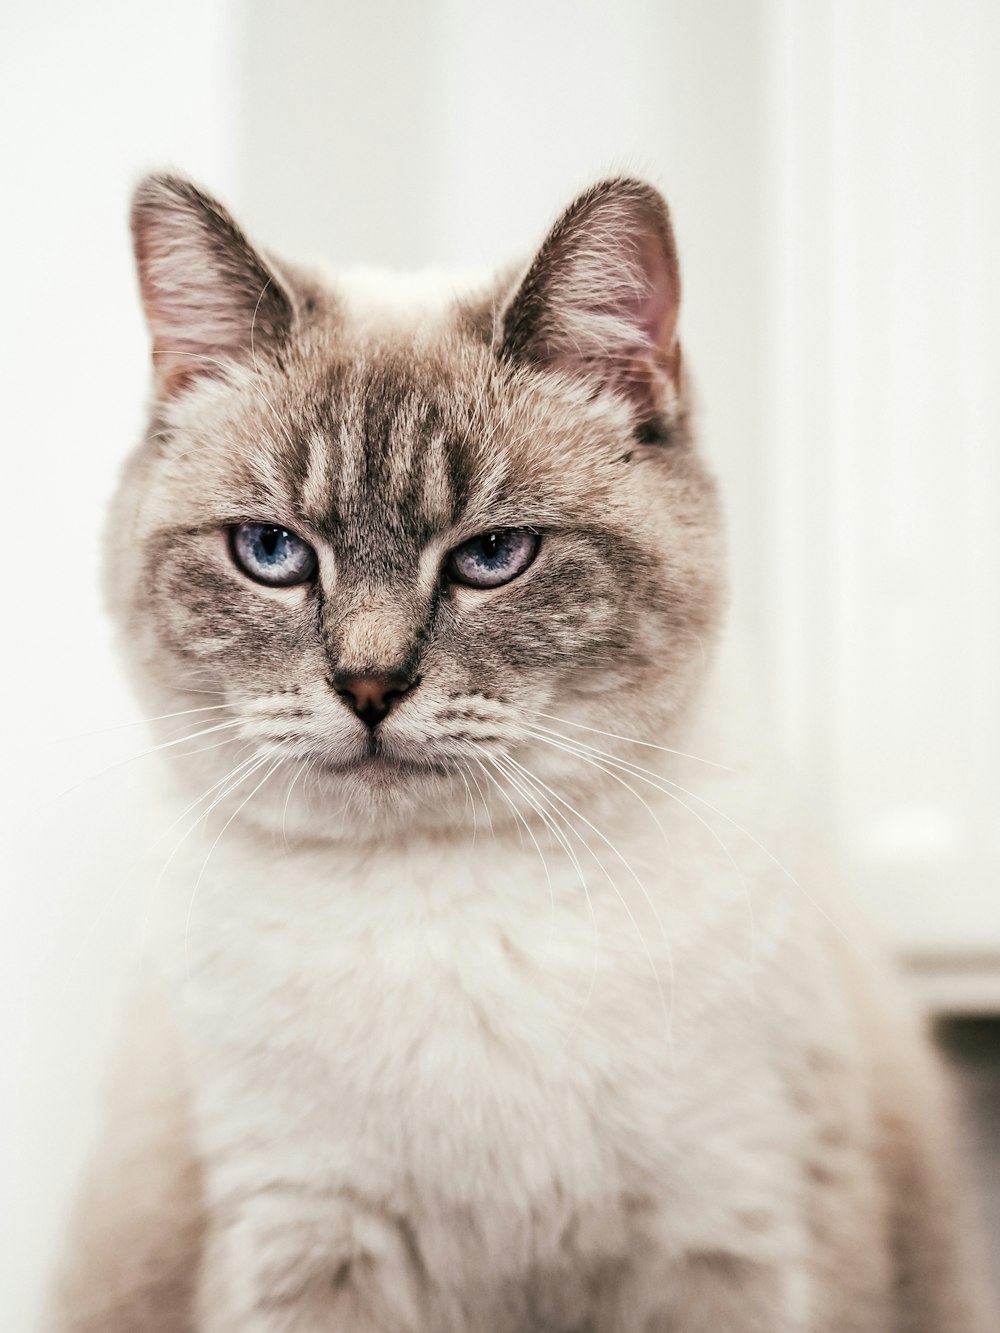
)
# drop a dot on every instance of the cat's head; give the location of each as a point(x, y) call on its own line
point(398, 545)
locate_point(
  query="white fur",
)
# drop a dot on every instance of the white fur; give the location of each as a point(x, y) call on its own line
point(376, 298)
point(425, 1047)
point(441, 1087)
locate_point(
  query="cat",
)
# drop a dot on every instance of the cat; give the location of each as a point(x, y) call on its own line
point(497, 989)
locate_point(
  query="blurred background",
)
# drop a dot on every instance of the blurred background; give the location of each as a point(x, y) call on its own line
point(833, 171)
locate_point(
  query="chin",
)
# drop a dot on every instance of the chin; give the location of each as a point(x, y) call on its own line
point(372, 799)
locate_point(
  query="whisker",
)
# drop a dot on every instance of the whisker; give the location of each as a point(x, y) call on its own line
point(470, 803)
point(554, 829)
point(607, 761)
point(549, 739)
point(630, 740)
point(541, 854)
point(657, 779)
point(228, 783)
point(125, 877)
point(554, 796)
point(204, 865)
point(667, 1012)
point(144, 754)
point(253, 324)
point(303, 764)
point(486, 804)
point(202, 749)
point(135, 722)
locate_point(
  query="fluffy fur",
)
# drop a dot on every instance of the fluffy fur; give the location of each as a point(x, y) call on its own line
point(510, 1014)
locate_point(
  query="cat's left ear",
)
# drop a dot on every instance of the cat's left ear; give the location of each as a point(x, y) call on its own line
point(601, 298)
point(210, 297)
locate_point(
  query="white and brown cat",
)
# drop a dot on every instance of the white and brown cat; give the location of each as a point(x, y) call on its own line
point(479, 1005)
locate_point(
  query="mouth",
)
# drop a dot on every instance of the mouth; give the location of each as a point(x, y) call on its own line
point(382, 770)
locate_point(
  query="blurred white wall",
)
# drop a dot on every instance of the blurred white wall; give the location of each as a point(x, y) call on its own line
point(90, 96)
point(881, 551)
point(836, 190)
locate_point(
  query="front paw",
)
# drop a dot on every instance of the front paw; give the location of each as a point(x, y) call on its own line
point(284, 1265)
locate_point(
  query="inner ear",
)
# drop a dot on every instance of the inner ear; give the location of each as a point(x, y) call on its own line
point(601, 298)
point(211, 299)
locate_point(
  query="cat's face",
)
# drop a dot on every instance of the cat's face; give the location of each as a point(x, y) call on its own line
point(396, 554)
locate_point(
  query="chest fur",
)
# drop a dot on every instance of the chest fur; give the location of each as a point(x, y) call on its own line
point(502, 1065)
point(428, 1038)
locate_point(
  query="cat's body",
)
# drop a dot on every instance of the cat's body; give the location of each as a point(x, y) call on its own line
point(478, 1016)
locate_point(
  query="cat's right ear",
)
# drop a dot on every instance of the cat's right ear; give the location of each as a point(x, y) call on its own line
point(210, 298)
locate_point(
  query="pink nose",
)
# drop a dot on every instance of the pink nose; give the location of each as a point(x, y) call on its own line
point(371, 696)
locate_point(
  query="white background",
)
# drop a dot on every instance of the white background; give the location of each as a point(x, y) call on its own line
point(834, 177)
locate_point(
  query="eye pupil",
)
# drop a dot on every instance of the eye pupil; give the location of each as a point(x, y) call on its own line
point(492, 559)
point(271, 554)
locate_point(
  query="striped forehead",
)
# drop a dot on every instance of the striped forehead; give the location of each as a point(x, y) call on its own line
point(385, 459)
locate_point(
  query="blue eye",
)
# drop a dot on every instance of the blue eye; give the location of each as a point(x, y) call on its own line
point(271, 554)
point(493, 559)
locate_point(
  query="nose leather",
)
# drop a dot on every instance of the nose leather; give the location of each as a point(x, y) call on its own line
point(371, 696)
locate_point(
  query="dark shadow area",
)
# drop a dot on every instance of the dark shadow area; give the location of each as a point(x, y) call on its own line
point(971, 1047)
